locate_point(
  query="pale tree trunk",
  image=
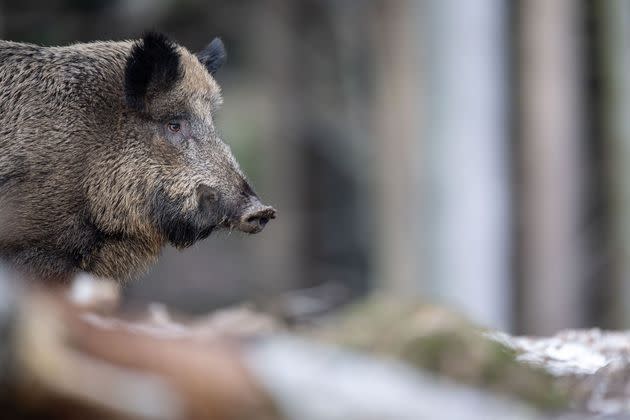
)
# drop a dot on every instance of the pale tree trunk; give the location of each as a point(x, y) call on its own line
point(552, 163)
point(615, 23)
point(444, 207)
point(465, 158)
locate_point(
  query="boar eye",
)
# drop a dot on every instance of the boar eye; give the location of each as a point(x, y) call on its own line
point(174, 127)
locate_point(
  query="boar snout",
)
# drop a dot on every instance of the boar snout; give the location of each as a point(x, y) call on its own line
point(255, 217)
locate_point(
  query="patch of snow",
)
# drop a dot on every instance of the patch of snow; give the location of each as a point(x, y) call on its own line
point(569, 352)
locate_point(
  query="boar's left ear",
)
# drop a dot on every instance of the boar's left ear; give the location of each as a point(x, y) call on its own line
point(213, 56)
point(152, 65)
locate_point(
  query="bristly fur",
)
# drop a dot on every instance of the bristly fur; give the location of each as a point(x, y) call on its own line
point(153, 62)
point(213, 56)
point(85, 184)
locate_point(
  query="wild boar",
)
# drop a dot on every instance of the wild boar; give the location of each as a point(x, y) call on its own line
point(110, 152)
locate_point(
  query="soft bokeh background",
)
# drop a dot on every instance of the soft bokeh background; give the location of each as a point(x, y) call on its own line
point(474, 153)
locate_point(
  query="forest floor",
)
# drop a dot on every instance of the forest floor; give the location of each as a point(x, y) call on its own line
point(77, 355)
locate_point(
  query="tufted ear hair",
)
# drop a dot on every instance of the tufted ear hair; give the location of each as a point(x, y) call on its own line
point(153, 65)
point(213, 56)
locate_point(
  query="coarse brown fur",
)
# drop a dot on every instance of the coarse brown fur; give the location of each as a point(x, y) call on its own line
point(93, 175)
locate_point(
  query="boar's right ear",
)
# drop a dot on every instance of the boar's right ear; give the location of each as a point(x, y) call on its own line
point(153, 65)
point(213, 56)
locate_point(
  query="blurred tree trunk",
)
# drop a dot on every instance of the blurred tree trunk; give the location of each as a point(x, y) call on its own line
point(466, 158)
point(444, 202)
point(398, 117)
point(551, 153)
point(615, 23)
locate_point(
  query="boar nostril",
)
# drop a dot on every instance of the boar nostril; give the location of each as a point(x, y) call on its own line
point(261, 220)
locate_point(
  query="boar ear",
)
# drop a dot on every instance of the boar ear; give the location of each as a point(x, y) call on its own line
point(153, 63)
point(213, 56)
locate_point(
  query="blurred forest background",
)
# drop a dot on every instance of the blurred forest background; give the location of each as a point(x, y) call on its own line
point(473, 153)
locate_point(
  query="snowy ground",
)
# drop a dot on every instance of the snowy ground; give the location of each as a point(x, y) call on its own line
point(594, 363)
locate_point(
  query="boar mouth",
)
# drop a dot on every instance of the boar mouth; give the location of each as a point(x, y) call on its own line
point(185, 235)
point(180, 228)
